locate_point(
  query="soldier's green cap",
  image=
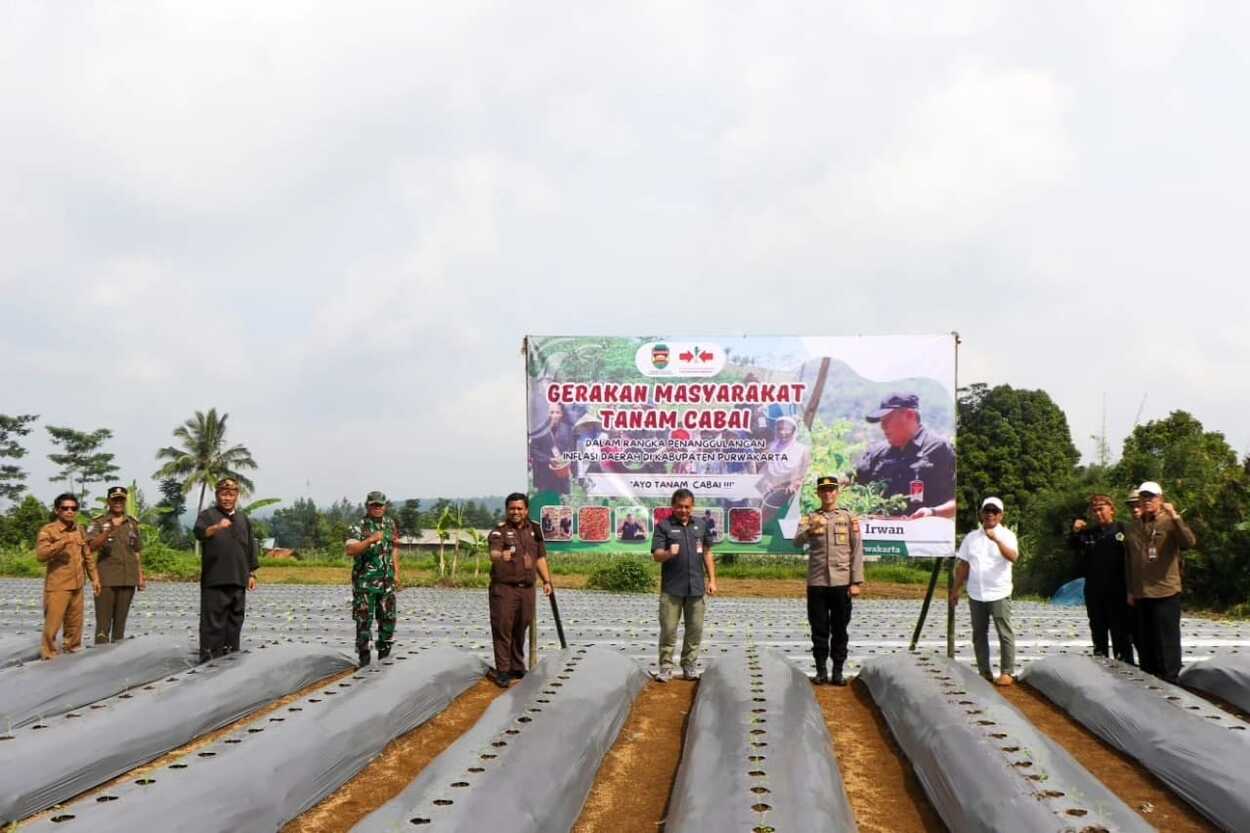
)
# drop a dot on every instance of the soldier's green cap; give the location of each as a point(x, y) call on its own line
point(117, 491)
point(827, 481)
point(375, 497)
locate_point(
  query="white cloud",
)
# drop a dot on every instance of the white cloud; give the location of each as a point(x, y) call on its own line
point(336, 223)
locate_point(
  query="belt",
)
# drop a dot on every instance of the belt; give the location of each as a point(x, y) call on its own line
point(521, 584)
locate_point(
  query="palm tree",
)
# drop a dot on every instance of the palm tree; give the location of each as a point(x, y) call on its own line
point(204, 457)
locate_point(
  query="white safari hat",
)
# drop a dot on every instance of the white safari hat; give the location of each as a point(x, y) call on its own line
point(992, 501)
point(1149, 488)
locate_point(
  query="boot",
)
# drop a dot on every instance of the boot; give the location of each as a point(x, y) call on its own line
point(384, 651)
point(837, 679)
point(822, 673)
point(365, 658)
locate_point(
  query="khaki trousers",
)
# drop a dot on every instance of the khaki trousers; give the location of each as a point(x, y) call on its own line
point(672, 610)
point(61, 609)
point(112, 607)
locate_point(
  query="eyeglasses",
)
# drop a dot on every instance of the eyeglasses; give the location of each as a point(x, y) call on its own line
point(67, 509)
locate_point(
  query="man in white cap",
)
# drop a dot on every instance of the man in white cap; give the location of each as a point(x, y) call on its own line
point(985, 559)
point(1155, 540)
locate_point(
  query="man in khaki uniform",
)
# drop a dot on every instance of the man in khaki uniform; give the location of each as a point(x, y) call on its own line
point(835, 573)
point(63, 547)
point(115, 536)
point(518, 557)
point(1154, 561)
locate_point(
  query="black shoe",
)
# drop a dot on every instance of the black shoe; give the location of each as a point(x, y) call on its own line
point(365, 658)
point(822, 678)
point(383, 653)
point(501, 679)
point(837, 678)
point(517, 675)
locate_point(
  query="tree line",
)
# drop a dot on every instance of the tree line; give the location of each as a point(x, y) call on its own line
point(1013, 443)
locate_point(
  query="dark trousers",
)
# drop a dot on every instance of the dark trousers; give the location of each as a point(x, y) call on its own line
point(221, 619)
point(829, 613)
point(112, 607)
point(1109, 612)
point(511, 612)
point(1159, 636)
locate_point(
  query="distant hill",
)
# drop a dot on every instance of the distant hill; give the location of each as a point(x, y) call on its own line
point(847, 395)
point(494, 503)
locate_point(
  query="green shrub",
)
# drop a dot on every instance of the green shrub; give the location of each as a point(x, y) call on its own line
point(623, 576)
point(20, 563)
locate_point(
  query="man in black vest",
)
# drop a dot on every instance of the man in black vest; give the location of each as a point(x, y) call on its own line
point(228, 565)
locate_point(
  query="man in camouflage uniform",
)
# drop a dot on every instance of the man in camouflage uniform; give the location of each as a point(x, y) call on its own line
point(835, 574)
point(373, 546)
point(115, 536)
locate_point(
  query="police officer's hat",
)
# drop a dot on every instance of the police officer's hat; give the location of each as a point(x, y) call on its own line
point(827, 481)
point(1134, 497)
point(375, 497)
point(894, 402)
point(117, 491)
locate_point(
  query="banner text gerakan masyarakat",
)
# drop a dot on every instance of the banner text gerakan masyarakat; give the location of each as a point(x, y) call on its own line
point(667, 393)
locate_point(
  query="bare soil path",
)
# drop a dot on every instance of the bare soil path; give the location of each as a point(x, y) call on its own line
point(1135, 786)
point(881, 785)
point(400, 762)
point(632, 790)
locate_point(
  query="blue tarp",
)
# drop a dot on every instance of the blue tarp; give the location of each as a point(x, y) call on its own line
point(1071, 594)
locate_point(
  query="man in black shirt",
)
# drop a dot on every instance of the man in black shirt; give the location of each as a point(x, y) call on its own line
point(682, 546)
point(228, 564)
point(911, 460)
point(1100, 559)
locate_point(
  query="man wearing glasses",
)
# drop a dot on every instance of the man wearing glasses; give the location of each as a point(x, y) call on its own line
point(835, 571)
point(228, 565)
point(985, 559)
point(63, 547)
point(1155, 540)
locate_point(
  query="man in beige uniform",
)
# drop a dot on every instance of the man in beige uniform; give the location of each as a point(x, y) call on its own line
point(115, 536)
point(63, 547)
point(835, 572)
point(1154, 561)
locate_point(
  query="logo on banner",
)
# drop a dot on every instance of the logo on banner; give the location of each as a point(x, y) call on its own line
point(659, 358)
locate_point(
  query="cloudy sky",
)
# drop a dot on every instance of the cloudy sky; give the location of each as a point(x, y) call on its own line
point(337, 224)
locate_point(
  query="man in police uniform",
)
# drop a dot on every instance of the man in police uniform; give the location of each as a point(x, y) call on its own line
point(115, 537)
point(911, 460)
point(373, 546)
point(682, 545)
point(517, 557)
point(228, 565)
point(835, 573)
point(63, 547)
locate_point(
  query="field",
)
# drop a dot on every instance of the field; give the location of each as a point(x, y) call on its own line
point(634, 779)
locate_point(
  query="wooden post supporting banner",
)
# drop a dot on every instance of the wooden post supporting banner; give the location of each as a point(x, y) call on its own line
point(928, 598)
point(950, 610)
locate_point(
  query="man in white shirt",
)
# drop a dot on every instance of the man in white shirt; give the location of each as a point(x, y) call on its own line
point(985, 559)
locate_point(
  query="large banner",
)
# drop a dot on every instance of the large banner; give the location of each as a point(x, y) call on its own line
point(616, 424)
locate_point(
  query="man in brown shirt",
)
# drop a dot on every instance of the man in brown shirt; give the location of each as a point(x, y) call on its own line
point(1153, 566)
point(115, 536)
point(517, 557)
point(835, 571)
point(63, 547)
